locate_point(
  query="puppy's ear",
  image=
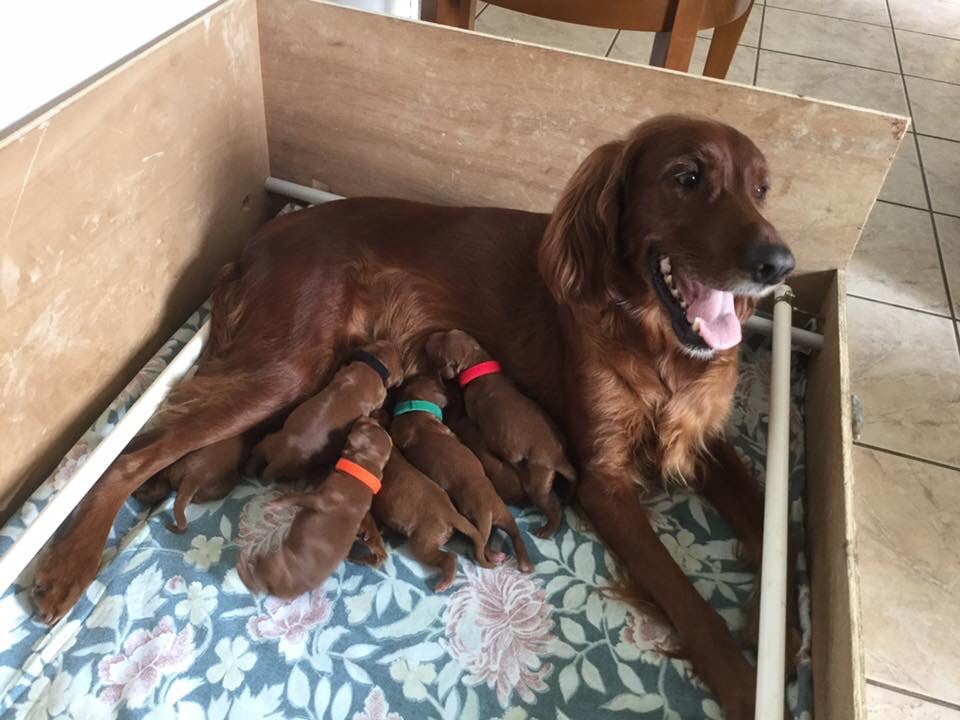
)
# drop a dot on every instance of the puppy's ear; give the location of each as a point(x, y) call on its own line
point(578, 249)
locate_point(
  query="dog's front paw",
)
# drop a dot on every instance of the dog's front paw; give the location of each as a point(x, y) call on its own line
point(64, 572)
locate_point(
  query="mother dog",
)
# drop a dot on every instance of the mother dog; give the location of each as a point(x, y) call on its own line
point(620, 313)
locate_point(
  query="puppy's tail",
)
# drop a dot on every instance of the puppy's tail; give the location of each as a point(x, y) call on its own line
point(464, 526)
point(185, 491)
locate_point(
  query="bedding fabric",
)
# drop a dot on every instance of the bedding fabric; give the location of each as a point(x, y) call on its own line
point(168, 631)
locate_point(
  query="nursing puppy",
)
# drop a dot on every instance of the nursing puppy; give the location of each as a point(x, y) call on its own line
point(415, 506)
point(513, 427)
point(432, 448)
point(328, 521)
point(314, 432)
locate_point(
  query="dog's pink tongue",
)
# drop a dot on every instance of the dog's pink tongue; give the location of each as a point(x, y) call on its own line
point(719, 326)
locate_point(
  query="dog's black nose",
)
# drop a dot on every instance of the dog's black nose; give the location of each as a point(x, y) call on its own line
point(769, 263)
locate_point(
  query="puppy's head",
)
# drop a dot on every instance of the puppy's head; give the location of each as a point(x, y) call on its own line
point(424, 387)
point(670, 219)
point(453, 351)
point(368, 444)
point(389, 354)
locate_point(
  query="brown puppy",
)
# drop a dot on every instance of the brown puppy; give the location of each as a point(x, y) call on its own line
point(512, 426)
point(414, 505)
point(315, 430)
point(434, 450)
point(209, 473)
point(324, 529)
point(369, 536)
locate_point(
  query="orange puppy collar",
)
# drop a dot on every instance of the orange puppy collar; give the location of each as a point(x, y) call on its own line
point(350, 468)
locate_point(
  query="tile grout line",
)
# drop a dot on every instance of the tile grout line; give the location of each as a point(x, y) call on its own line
point(906, 456)
point(756, 62)
point(864, 22)
point(612, 43)
point(899, 306)
point(936, 137)
point(482, 10)
point(914, 694)
point(926, 189)
point(918, 207)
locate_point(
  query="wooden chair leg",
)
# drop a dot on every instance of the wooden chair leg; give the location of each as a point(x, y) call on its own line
point(724, 45)
point(458, 13)
point(683, 35)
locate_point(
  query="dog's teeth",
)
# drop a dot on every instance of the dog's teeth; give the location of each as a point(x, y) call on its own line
point(683, 303)
point(696, 325)
point(676, 294)
point(668, 279)
point(665, 265)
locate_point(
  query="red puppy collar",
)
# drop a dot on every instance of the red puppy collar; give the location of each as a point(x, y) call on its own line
point(479, 370)
point(349, 467)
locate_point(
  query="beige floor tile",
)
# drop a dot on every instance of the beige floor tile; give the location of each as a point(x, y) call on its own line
point(636, 46)
point(948, 228)
point(908, 513)
point(830, 81)
point(904, 182)
point(829, 39)
point(872, 11)
point(896, 260)
point(751, 33)
point(929, 57)
point(519, 26)
point(905, 368)
point(938, 17)
point(936, 107)
point(941, 163)
point(883, 704)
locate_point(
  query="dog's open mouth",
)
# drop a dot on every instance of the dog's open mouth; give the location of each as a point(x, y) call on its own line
point(703, 318)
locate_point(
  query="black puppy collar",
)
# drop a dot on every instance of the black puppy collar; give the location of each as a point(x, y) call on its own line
point(372, 362)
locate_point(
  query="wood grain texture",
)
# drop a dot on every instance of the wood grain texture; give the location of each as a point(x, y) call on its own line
point(838, 666)
point(117, 207)
point(371, 105)
point(648, 15)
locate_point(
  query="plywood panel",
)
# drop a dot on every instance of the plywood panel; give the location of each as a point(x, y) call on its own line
point(835, 585)
point(373, 105)
point(116, 209)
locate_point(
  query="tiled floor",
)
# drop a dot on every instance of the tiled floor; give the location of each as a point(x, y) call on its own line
point(904, 304)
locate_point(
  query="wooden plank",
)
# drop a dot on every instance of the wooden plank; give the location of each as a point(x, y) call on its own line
point(838, 675)
point(116, 209)
point(371, 105)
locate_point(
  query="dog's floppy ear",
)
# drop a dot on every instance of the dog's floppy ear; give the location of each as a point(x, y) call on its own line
point(578, 247)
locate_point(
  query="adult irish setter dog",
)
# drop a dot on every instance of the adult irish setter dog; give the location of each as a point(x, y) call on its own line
point(620, 313)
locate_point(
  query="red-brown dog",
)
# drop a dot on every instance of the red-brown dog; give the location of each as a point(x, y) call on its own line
point(512, 426)
point(316, 429)
point(414, 505)
point(431, 446)
point(328, 521)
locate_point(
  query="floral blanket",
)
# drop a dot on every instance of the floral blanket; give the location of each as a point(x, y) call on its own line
point(168, 631)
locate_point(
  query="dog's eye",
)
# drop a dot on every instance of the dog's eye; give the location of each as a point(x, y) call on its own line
point(688, 178)
point(760, 192)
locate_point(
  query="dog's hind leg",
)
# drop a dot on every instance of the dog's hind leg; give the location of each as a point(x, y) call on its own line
point(424, 548)
point(207, 409)
point(538, 485)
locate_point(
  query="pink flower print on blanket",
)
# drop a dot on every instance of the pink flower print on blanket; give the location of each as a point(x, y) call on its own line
point(498, 626)
point(147, 656)
point(290, 621)
point(375, 707)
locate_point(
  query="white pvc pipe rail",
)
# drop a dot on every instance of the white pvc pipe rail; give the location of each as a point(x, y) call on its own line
point(771, 650)
point(45, 524)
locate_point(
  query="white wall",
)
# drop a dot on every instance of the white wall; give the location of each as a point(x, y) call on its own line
point(48, 47)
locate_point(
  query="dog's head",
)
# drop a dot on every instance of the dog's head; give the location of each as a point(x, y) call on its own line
point(674, 211)
point(424, 387)
point(368, 444)
point(453, 351)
